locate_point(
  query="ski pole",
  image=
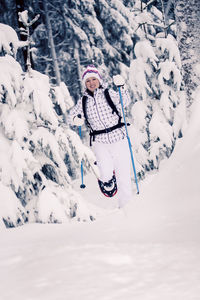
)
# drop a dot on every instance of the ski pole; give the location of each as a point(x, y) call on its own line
point(129, 142)
point(82, 186)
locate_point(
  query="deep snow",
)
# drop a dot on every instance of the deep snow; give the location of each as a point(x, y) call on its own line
point(151, 250)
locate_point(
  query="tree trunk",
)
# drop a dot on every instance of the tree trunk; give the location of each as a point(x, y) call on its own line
point(51, 43)
point(188, 34)
point(76, 56)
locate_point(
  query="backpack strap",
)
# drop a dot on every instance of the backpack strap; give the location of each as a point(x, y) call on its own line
point(84, 100)
point(110, 102)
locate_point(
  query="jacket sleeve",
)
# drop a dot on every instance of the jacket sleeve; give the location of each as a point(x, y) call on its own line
point(116, 98)
point(74, 111)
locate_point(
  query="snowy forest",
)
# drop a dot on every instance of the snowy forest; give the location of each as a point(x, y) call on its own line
point(44, 47)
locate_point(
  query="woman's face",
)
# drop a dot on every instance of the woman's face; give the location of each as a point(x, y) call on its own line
point(92, 83)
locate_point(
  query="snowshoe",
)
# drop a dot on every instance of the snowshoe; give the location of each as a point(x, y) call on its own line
point(109, 189)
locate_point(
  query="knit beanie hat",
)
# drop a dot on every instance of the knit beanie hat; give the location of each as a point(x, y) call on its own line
point(91, 71)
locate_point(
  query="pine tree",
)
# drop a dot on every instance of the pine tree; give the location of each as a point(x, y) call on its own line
point(188, 32)
point(159, 113)
point(39, 154)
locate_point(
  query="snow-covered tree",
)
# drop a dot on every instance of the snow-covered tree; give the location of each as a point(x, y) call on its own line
point(39, 155)
point(188, 35)
point(97, 32)
point(159, 113)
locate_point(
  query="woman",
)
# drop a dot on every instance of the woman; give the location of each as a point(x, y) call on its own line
point(101, 109)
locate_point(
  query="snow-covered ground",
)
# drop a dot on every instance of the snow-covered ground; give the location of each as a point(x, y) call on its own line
point(149, 251)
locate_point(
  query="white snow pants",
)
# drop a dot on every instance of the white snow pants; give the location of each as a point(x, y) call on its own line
point(115, 157)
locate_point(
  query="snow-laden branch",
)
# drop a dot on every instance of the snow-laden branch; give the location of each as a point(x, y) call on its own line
point(149, 3)
point(155, 24)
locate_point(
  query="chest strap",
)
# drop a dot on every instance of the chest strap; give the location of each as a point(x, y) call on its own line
point(93, 133)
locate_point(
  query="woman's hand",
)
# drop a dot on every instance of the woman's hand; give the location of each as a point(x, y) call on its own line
point(118, 80)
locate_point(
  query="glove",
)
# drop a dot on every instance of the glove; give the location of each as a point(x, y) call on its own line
point(78, 121)
point(118, 80)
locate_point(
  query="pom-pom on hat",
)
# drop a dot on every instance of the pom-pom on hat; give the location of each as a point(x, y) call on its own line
point(91, 71)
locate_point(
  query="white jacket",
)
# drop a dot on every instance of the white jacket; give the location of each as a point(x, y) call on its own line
point(99, 113)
